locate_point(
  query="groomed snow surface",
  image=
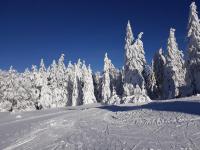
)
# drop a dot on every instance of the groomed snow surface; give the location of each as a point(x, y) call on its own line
point(171, 124)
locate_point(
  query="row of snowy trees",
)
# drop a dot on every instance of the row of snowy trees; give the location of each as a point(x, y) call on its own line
point(56, 86)
point(169, 76)
point(174, 76)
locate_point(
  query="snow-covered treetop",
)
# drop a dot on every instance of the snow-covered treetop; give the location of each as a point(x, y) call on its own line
point(193, 24)
point(159, 55)
point(42, 66)
point(140, 35)
point(134, 51)
point(11, 70)
point(84, 66)
point(34, 68)
point(53, 63)
point(89, 69)
point(106, 62)
point(61, 64)
point(172, 46)
point(79, 63)
point(160, 51)
point(26, 70)
point(129, 34)
point(108, 66)
point(62, 58)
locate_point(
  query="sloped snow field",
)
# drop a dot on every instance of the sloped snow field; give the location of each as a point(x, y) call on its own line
point(172, 124)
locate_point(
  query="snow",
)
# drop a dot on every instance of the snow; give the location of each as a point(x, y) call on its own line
point(18, 116)
point(172, 124)
point(175, 71)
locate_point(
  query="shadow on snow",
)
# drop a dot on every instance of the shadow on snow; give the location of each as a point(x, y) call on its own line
point(175, 106)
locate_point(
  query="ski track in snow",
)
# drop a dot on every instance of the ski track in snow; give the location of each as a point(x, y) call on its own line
point(96, 127)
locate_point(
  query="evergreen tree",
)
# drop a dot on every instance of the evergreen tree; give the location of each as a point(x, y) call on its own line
point(70, 78)
point(106, 91)
point(75, 92)
point(174, 80)
point(45, 92)
point(159, 63)
point(134, 62)
point(88, 86)
point(97, 79)
point(149, 80)
point(193, 61)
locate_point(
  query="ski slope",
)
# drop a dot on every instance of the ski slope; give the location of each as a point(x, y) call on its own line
point(171, 124)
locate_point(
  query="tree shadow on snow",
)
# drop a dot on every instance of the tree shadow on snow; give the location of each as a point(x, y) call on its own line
point(175, 106)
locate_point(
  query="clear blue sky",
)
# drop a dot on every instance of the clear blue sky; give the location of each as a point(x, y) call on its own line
point(86, 29)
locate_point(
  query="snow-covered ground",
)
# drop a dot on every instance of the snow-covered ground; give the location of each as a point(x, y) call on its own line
point(172, 124)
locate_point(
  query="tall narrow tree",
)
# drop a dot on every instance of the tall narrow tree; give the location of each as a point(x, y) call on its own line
point(174, 81)
point(159, 62)
point(134, 62)
point(193, 36)
point(88, 86)
point(106, 92)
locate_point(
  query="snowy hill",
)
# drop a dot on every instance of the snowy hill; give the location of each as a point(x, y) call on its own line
point(171, 124)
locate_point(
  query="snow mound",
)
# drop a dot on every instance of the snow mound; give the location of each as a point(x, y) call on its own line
point(137, 99)
point(18, 117)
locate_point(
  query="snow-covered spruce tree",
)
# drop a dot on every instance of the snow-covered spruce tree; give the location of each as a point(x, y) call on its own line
point(77, 84)
point(97, 79)
point(11, 94)
point(33, 80)
point(70, 79)
point(193, 60)
point(4, 104)
point(15, 94)
point(42, 75)
point(106, 90)
point(58, 82)
point(116, 80)
point(60, 74)
point(149, 80)
point(62, 80)
point(159, 62)
point(6, 87)
point(75, 92)
point(134, 63)
point(28, 95)
point(88, 86)
point(174, 80)
point(52, 75)
point(111, 80)
point(45, 100)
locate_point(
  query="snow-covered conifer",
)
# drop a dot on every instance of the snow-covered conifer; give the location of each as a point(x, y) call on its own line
point(193, 61)
point(97, 79)
point(149, 80)
point(46, 95)
point(134, 62)
point(106, 91)
point(88, 86)
point(174, 80)
point(75, 92)
point(159, 63)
